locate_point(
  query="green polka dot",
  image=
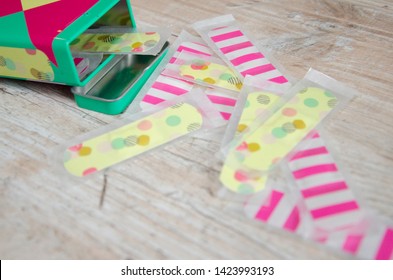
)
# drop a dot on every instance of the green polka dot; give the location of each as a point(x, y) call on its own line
point(329, 94)
point(311, 102)
point(173, 120)
point(10, 64)
point(245, 189)
point(225, 76)
point(118, 143)
point(278, 132)
point(247, 104)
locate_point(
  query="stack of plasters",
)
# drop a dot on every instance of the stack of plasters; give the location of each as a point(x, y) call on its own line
point(273, 127)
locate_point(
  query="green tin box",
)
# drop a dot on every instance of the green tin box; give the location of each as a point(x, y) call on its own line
point(35, 45)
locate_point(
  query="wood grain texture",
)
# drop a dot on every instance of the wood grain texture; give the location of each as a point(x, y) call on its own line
point(167, 204)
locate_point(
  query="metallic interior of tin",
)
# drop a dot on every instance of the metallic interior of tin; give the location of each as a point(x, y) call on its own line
point(117, 77)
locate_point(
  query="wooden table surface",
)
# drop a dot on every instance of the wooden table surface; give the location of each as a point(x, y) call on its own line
point(166, 204)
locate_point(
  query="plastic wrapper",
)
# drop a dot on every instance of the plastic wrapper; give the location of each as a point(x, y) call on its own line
point(204, 70)
point(256, 98)
point(322, 186)
point(139, 133)
point(121, 40)
point(269, 139)
point(235, 46)
point(321, 213)
point(159, 87)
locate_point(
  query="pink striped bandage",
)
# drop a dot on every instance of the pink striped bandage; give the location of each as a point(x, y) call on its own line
point(281, 209)
point(160, 87)
point(165, 88)
point(277, 208)
point(231, 43)
point(323, 187)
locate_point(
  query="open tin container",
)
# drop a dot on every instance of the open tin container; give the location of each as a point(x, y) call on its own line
point(35, 45)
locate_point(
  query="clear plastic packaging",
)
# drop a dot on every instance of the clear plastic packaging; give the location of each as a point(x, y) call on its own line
point(354, 231)
point(256, 98)
point(230, 41)
point(322, 186)
point(371, 238)
point(121, 40)
point(223, 100)
point(139, 133)
point(272, 138)
point(204, 70)
point(159, 87)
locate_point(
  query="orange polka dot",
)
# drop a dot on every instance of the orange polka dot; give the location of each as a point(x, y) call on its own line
point(241, 127)
point(84, 151)
point(253, 147)
point(137, 45)
point(143, 140)
point(209, 81)
point(299, 124)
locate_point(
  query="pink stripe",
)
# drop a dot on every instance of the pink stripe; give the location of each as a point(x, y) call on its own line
point(152, 99)
point(267, 209)
point(169, 88)
point(352, 243)
point(77, 60)
point(323, 189)
point(309, 171)
point(293, 220)
point(334, 209)
point(236, 47)
point(258, 70)
point(226, 115)
point(226, 36)
point(222, 100)
point(310, 152)
point(172, 60)
point(279, 80)
point(386, 249)
point(187, 49)
point(246, 58)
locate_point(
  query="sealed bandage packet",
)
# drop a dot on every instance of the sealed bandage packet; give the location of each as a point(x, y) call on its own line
point(140, 133)
point(328, 219)
point(256, 98)
point(281, 210)
point(160, 87)
point(204, 70)
point(269, 139)
point(230, 41)
point(121, 40)
point(322, 186)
